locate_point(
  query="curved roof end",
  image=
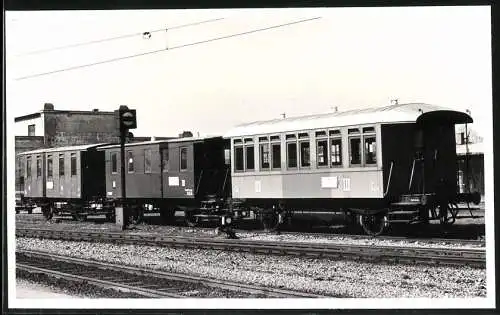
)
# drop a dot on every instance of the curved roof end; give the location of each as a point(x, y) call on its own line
point(444, 116)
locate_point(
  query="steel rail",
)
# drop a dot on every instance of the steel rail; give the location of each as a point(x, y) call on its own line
point(426, 255)
point(145, 272)
point(429, 240)
point(115, 285)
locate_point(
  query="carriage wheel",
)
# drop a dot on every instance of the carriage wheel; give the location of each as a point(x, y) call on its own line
point(373, 224)
point(110, 217)
point(443, 215)
point(79, 217)
point(270, 221)
point(136, 217)
point(167, 215)
point(47, 212)
point(190, 218)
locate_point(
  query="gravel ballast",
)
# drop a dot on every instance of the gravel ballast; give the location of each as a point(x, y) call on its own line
point(31, 221)
point(321, 276)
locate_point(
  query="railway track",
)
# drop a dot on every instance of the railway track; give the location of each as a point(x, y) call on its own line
point(142, 281)
point(394, 254)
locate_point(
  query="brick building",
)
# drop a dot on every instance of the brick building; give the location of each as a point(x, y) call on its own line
point(56, 128)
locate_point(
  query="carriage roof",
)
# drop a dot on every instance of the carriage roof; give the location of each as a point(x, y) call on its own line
point(397, 113)
point(172, 140)
point(83, 147)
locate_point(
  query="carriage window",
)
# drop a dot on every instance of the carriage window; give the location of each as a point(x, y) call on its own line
point(264, 156)
point(238, 159)
point(49, 166)
point(38, 166)
point(276, 155)
point(249, 150)
point(184, 158)
point(336, 152)
point(28, 166)
point(305, 156)
point(61, 164)
point(355, 151)
point(227, 156)
point(165, 158)
point(147, 161)
point(322, 152)
point(130, 161)
point(73, 164)
point(114, 163)
point(292, 154)
point(370, 150)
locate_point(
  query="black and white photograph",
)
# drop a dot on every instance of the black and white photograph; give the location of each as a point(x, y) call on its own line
point(284, 158)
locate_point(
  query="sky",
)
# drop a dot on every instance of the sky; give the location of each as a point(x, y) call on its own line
point(348, 58)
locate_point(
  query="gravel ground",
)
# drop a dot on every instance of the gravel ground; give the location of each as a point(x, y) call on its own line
point(27, 289)
point(323, 276)
point(31, 221)
point(70, 288)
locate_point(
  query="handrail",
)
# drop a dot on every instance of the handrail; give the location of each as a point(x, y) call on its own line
point(389, 180)
point(199, 182)
point(411, 177)
point(225, 179)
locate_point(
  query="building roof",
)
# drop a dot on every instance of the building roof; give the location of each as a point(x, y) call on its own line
point(474, 149)
point(397, 113)
point(61, 149)
point(172, 140)
point(56, 111)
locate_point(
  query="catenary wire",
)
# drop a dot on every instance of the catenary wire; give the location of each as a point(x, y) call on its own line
point(34, 52)
point(163, 49)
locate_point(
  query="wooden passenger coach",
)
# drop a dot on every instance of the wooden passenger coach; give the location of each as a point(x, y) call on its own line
point(168, 175)
point(66, 179)
point(363, 162)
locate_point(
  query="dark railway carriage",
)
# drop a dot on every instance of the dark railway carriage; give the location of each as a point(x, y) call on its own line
point(170, 175)
point(378, 165)
point(65, 180)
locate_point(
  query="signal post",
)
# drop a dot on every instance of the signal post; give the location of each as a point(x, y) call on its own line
point(126, 120)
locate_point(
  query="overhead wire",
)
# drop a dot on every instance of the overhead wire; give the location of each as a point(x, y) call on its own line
point(97, 41)
point(164, 49)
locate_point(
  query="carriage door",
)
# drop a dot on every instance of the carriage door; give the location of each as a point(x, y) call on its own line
point(164, 161)
point(440, 161)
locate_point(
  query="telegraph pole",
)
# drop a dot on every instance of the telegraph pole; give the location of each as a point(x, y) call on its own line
point(127, 120)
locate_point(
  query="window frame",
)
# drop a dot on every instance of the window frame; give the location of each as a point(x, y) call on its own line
point(248, 143)
point(264, 143)
point(165, 160)
point(275, 141)
point(321, 136)
point(32, 133)
point(237, 145)
point(291, 139)
point(369, 134)
point(50, 166)
point(181, 169)
point(130, 155)
point(61, 170)
point(28, 167)
point(148, 170)
point(114, 162)
point(360, 147)
point(38, 166)
point(73, 158)
point(301, 157)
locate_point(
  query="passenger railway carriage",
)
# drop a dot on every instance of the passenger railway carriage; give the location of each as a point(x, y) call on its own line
point(382, 165)
point(65, 180)
point(377, 166)
point(169, 175)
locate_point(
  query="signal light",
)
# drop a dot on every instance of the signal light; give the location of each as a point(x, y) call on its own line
point(127, 118)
